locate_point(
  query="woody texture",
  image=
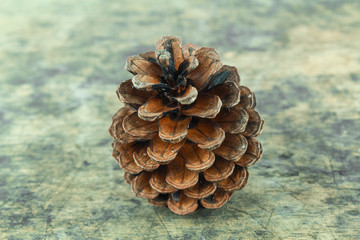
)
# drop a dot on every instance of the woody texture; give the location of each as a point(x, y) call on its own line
point(186, 133)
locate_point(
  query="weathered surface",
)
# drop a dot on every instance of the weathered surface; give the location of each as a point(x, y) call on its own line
point(60, 64)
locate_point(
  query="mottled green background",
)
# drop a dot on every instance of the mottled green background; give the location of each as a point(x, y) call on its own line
point(60, 64)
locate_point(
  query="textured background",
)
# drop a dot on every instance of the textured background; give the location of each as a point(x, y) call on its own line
point(60, 64)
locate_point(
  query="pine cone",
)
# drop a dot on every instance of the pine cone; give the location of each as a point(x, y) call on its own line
point(185, 136)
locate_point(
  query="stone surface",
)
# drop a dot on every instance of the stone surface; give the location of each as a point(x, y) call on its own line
point(60, 64)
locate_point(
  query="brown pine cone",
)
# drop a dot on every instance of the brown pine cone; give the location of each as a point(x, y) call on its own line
point(186, 134)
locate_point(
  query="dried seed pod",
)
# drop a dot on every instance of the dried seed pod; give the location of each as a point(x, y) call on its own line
point(186, 133)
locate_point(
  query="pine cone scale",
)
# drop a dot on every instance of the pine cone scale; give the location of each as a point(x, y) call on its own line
point(125, 159)
point(133, 96)
point(188, 97)
point(143, 160)
point(137, 127)
point(173, 130)
point(145, 82)
point(153, 108)
point(255, 124)
point(164, 152)
point(209, 63)
point(183, 205)
point(159, 201)
point(236, 181)
point(220, 170)
point(202, 189)
point(173, 46)
point(179, 176)
point(207, 134)
point(143, 65)
point(189, 50)
point(141, 187)
point(229, 93)
point(205, 106)
point(232, 121)
point(159, 183)
point(217, 200)
point(233, 147)
point(252, 155)
point(197, 159)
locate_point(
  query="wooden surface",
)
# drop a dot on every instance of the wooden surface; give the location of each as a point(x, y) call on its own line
point(60, 64)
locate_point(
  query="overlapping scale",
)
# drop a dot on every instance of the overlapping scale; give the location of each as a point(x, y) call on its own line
point(195, 158)
point(181, 204)
point(158, 181)
point(253, 153)
point(220, 170)
point(127, 93)
point(143, 64)
point(173, 129)
point(247, 99)
point(236, 181)
point(209, 63)
point(116, 129)
point(153, 108)
point(160, 200)
point(255, 124)
point(140, 81)
point(233, 147)
point(135, 126)
point(205, 133)
point(123, 153)
point(205, 106)
point(188, 96)
point(141, 187)
point(202, 189)
point(163, 152)
point(217, 200)
point(179, 176)
point(226, 84)
point(232, 120)
point(143, 160)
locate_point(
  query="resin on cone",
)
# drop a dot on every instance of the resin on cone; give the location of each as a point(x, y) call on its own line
point(186, 134)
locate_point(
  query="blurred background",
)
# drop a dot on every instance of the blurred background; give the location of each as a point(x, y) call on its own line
point(61, 62)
